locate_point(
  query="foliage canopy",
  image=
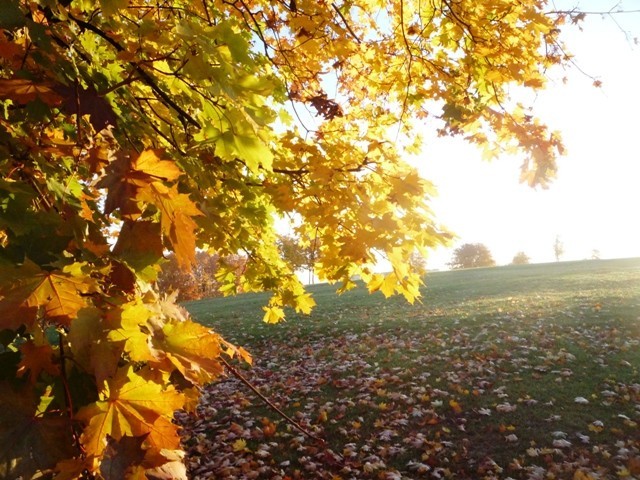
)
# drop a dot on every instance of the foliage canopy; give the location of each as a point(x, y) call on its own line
point(520, 258)
point(131, 128)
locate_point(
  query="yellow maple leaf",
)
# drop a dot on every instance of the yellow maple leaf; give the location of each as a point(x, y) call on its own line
point(304, 303)
point(89, 343)
point(190, 348)
point(273, 314)
point(388, 285)
point(131, 405)
point(150, 163)
point(239, 445)
point(131, 329)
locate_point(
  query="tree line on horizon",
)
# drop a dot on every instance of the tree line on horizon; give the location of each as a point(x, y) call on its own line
point(202, 281)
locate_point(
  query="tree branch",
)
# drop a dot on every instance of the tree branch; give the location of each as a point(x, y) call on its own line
point(346, 23)
point(148, 79)
point(272, 406)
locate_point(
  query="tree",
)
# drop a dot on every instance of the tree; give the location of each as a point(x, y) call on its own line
point(200, 281)
point(520, 258)
point(472, 255)
point(558, 248)
point(418, 262)
point(300, 253)
point(129, 129)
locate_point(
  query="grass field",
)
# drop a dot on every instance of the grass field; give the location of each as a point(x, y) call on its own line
point(523, 372)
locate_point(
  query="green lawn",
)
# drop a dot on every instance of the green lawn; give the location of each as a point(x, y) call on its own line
point(523, 372)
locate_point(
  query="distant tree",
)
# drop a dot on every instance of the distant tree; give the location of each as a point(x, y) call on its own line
point(472, 255)
point(201, 281)
point(520, 258)
point(595, 254)
point(558, 248)
point(418, 262)
point(300, 253)
point(173, 278)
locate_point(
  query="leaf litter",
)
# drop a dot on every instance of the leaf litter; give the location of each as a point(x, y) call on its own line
point(509, 387)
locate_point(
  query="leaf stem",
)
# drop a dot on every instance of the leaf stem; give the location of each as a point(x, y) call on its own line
point(67, 394)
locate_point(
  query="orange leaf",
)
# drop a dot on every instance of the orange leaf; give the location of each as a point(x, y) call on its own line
point(127, 177)
point(57, 294)
point(133, 183)
point(138, 239)
point(455, 406)
point(35, 359)
point(269, 428)
point(176, 220)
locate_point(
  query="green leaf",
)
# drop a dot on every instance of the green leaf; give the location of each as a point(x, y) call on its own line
point(11, 16)
point(250, 149)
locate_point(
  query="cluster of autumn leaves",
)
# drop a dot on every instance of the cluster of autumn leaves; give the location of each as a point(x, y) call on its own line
point(95, 362)
point(132, 351)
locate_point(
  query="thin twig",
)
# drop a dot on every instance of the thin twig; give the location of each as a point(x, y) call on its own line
point(271, 405)
point(346, 23)
point(67, 394)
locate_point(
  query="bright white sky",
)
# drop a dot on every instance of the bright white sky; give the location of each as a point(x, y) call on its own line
point(594, 202)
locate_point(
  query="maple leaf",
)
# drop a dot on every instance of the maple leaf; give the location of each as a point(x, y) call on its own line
point(57, 294)
point(150, 163)
point(130, 327)
point(30, 442)
point(128, 175)
point(131, 405)
point(273, 314)
point(164, 464)
point(139, 243)
point(240, 445)
point(191, 349)
point(90, 345)
point(35, 359)
point(83, 101)
point(176, 219)
point(123, 458)
point(134, 183)
point(22, 91)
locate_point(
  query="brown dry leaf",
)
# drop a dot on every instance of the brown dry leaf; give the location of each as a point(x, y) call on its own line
point(23, 91)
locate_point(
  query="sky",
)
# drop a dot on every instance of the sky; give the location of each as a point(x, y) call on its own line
point(593, 203)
